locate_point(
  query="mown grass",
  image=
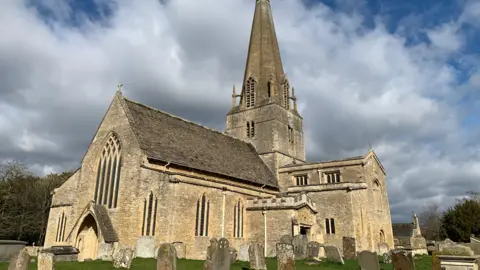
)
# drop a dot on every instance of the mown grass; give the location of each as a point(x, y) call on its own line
point(421, 264)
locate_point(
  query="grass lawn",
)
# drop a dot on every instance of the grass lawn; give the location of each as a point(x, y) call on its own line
point(137, 264)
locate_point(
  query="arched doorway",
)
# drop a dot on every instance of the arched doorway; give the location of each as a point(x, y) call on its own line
point(87, 239)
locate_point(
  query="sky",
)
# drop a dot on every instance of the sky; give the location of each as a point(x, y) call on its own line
point(401, 76)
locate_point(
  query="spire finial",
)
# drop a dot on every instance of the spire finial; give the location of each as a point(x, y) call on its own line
point(294, 98)
point(119, 87)
point(234, 97)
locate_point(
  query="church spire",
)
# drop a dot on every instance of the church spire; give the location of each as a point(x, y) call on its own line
point(264, 80)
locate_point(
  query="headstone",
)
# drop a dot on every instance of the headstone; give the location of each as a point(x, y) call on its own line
point(383, 248)
point(20, 260)
point(221, 256)
point(122, 258)
point(211, 250)
point(313, 250)
point(233, 254)
point(286, 239)
point(387, 258)
point(333, 254)
point(402, 260)
point(368, 260)
point(145, 247)
point(105, 251)
point(300, 243)
point(256, 257)
point(45, 261)
point(243, 253)
point(349, 247)
point(167, 257)
point(180, 248)
point(63, 253)
point(436, 265)
point(285, 257)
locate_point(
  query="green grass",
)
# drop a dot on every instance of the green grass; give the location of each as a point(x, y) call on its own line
point(422, 264)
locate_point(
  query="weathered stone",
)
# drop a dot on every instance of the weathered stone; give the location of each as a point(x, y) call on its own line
point(313, 250)
point(145, 247)
point(8, 249)
point(300, 243)
point(105, 251)
point(180, 248)
point(403, 260)
point(256, 257)
point(349, 247)
point(122, 258)
point(333, 254)
point(387, 258)
point(243, 253)
point(221, 256)
point(233, 254)
point(45, 261)
point(20, 260)
point(383, 248)
point(457, 250)
point(211, 250)
point(285, 257)
point(286, 239)
point(436, 265)
point(63, 253)
point(368, 260)
point(167, 257)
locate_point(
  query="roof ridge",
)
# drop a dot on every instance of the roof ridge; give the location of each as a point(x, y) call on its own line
point(185, 120)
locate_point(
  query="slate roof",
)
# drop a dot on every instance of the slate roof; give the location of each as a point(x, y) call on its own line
point(108, 232)
point(402, 229)
point(168, 138)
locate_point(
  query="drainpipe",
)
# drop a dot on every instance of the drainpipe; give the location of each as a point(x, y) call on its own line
point(223, 215)
point(264, 212)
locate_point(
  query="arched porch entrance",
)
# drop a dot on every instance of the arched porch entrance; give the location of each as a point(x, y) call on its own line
point(87, 239)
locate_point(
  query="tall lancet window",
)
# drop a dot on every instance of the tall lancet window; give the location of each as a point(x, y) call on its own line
point(250, 92)
point(286, 94)
point(238, 219)
point(108, 173)
point(61, 226)
point(201, 220)
point(149, 215)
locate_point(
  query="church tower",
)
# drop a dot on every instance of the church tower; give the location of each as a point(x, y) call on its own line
point(266, 112)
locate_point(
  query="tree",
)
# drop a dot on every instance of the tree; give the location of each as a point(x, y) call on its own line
point(462, 220)
point(430, 220)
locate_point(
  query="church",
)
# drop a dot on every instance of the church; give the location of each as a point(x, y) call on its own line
point(151, 176)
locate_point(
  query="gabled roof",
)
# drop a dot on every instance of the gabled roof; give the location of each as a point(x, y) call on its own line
point(402, 229)
point(167, 138)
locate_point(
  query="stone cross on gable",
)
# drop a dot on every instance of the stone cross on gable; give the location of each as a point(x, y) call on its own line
point(119, 87)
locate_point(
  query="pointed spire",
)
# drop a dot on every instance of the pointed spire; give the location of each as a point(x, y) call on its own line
point(264, 63)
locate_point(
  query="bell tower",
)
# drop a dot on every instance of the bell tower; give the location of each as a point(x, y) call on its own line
point(262, 113)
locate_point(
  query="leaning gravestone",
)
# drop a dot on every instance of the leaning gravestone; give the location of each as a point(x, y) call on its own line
point(45, 261)
point(285, 257)
point(368, 260)
point(256, 257)
point(243, 253)
point(221, 256)
point(211, 250)
point(286, 239)
point(333, 254)
point(20, 260)
point(167, 257)
point(402, 260)
point(122, 258)
point(145, 247)
point(349, 247)
point(300, 243)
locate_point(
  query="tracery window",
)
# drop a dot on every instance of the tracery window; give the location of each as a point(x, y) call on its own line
point(61, 226)
point(250, 129)
point(238, 220)
point(203, 213)
point(149, 215)
point(377, 195)
point(250, 92)
point(330, 226)
point(108, 173)
point(286, 94)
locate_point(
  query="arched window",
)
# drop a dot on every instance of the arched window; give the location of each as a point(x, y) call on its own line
point(382, 236)
point(238, 220)
point(201, 220)
point(286, 94)
point(270, 88)
point(149, 215)
point(61, 226)
point(377, 195)
point(250, 92)
point(108, 173)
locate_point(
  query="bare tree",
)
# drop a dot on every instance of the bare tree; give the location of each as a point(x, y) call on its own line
point(430, 219)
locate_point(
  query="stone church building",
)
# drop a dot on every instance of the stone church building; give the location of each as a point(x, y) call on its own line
point(149, 174)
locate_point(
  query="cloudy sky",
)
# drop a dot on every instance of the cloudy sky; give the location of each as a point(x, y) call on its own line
point(400, 75)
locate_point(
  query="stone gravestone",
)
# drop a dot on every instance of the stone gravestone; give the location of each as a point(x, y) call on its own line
point(45, 261)
point(122, 258)
point(368, 260)
point(436, 265)
point(402, 260)
point(300, 243)
point(221, 256)
point(20, 260)
point(333, 254)
point(285, 257)
point(105, 251)
point(256, 257)
point(383, 248)
point(180, 249)
point(167, 257)
point(233, 254)
point(349, 247)
point(211, 250)
point(286, 239)
point(313, 250)
point(145, 247)
point(243, 253)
